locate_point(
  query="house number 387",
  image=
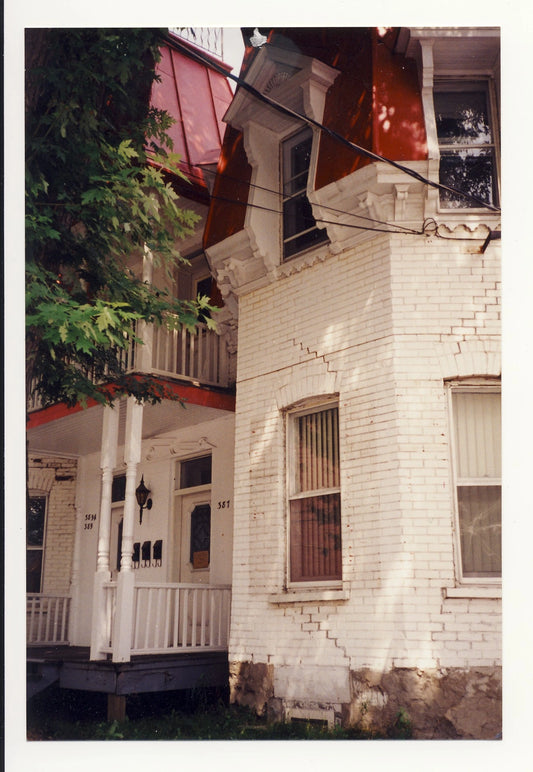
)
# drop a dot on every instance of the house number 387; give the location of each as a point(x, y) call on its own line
point(223, 504)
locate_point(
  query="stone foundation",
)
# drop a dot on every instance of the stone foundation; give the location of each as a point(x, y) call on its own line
point(436, 704)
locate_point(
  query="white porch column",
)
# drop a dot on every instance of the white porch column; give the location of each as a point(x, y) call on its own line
point(126, 578)
point(108, 461)
point(146, 331)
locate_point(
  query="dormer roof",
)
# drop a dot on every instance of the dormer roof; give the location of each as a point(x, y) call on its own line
point(197, 97)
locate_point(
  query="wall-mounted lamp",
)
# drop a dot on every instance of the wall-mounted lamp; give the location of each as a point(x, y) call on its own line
point(141, 494)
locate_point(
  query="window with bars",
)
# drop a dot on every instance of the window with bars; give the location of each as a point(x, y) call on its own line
point(315, 553)
point(467, 145)
point(300, 230)
point(476, 413)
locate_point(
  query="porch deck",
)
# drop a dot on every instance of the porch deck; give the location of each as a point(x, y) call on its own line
point(71, 667)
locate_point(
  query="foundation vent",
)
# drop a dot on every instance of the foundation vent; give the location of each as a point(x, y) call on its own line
point(321, 717)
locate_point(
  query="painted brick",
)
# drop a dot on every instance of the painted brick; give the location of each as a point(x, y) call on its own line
point(400, 315)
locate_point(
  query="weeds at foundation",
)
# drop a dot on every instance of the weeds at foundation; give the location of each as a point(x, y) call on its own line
point(201, 714)
point(402, 728)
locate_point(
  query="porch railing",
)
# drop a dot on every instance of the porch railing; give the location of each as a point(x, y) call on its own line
point(47, 619)
point(173, 617)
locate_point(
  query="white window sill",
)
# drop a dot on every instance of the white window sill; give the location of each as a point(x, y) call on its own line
point(473, 592)
point(311, 595)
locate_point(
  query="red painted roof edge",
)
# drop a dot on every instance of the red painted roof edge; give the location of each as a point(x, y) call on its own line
point(193, 395)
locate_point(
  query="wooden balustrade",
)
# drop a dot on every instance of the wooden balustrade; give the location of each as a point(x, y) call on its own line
point(199, 356)
point(176, 617)
point(47, 619)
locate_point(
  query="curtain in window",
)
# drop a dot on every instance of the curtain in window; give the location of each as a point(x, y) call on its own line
point(318, 441)
point(478, 471)
point(315, 530)
point(316, 538)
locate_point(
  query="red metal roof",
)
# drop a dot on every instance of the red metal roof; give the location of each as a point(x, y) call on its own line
point(197, 98)
point(374, 102)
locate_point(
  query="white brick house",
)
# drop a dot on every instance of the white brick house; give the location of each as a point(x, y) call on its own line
point(367, 414)
point(354, 480)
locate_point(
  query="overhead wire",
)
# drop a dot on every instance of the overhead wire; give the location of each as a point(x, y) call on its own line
point(335, 135)
point(400, 228)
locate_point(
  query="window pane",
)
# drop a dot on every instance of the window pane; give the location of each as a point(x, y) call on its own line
point(299, 225)
point(318, 450)
point(480, 526)
point(200, 535)
point(305, 241)
point(34, 560)
point(35, 521)
point(297, 216)
point(196, 471)
point(471, 171)
point(118, 488)
point(462, 118)
point(315, 538)
point(478, 434)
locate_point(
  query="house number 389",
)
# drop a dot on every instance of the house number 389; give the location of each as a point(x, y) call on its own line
point(89, 522)
point(223, 504)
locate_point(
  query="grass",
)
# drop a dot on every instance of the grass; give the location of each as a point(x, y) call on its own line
point(62, 714)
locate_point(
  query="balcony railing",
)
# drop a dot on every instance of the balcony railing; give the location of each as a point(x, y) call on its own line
point(200, 356)
point(47, 619)
point(208, 38)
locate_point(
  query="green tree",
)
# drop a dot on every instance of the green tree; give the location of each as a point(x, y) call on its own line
point(98, 191)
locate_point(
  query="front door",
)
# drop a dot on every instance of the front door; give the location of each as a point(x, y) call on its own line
point(192, 538)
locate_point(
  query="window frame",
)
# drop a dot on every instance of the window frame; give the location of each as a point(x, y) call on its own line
point(470, 386)
point(292, 414)
point(470, 82)
point(287, 143)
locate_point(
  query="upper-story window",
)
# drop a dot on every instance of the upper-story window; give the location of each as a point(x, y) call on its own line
point(467, 143)
point(476, 415)
point(300, 230)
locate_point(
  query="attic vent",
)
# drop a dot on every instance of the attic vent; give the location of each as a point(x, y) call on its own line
point(277, 79)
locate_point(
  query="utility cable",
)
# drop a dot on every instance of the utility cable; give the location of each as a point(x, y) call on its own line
point(335, 135)
point(322, 206)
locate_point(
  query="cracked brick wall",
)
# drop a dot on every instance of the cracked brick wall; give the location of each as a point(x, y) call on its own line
point(381, 325)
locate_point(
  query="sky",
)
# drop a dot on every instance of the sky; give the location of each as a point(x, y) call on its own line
point(233, 48)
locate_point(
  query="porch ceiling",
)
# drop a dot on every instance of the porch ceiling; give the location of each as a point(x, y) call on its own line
point(80, 433)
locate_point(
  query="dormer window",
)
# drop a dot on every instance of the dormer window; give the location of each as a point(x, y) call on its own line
point(467, 147)
point(300, 230)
